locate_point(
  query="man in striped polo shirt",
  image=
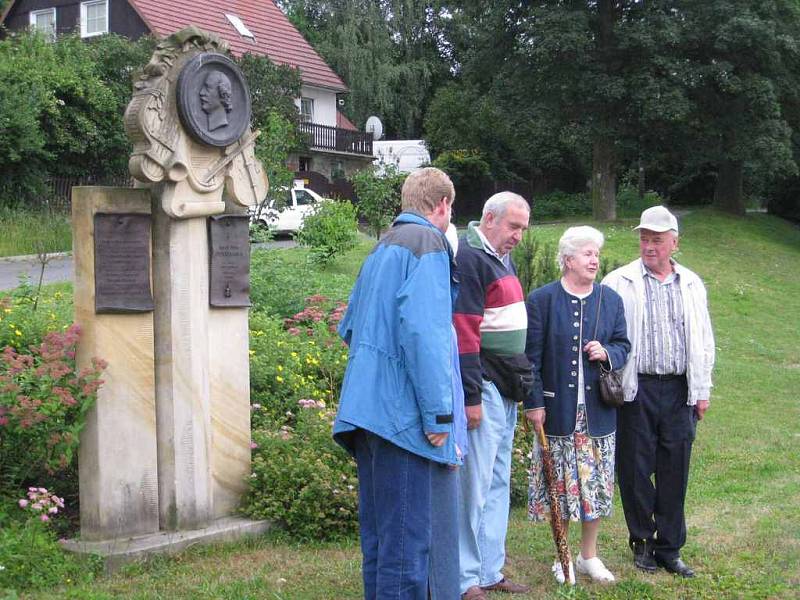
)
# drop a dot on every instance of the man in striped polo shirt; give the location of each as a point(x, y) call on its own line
point(667, 384)
point(491, 322)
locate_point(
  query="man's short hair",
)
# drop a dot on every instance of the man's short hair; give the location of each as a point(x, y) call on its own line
point(498, 204)
point(424, 189)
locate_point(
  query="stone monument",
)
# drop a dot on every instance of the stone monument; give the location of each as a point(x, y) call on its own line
point(166, 451)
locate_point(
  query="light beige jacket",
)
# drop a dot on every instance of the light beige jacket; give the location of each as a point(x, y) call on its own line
point(628, 282)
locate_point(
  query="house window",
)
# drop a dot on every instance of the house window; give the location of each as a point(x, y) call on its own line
point(304, 163)
point(306, 110)
point(94, 18)
point(337, 170)
point(44, 21)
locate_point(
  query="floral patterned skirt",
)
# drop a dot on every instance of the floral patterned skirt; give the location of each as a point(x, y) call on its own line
point(584, 475)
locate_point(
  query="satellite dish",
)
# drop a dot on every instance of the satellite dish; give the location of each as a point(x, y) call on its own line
point(375, 127)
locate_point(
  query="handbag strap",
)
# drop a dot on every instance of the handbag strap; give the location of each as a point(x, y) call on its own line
point(597, 316)
point(596, 323)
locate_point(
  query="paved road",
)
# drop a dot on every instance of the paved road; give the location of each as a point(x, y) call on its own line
point(60, 268)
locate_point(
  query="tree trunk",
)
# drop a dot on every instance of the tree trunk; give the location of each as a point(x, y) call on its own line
point(728, 195)
point(604, 181)
point(641, 179)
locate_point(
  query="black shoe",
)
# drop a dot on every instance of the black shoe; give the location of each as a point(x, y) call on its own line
point(675, 566)
point(643, 556)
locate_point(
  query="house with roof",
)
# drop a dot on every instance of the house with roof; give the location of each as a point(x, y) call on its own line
point(336, 147)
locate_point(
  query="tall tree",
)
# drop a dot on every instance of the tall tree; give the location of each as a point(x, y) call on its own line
point(743, 71)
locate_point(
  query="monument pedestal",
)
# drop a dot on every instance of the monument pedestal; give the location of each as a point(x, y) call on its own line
point(119, 552)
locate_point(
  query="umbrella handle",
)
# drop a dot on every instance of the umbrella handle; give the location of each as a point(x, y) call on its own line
point(542, 437)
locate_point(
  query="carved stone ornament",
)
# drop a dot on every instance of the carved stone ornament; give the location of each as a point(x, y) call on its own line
point(189, 121)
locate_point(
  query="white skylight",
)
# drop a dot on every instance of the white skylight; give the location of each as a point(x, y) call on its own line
point(240, 26)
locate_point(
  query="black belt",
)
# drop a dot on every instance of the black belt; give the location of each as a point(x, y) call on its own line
point(668, 377)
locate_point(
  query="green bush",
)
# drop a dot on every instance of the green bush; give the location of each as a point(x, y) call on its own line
point(43, 404)
point(26, 317)
point(629, 204)
point(277, 289)
point(535, 261)
point(559, 205)
point(300, 478)
point(378, 196)
point(295, 358)
point(31, 558)
point(329, 231)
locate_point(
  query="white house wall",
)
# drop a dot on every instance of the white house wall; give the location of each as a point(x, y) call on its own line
point(324, 104)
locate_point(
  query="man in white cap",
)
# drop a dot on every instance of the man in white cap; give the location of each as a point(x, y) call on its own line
point(667, 384)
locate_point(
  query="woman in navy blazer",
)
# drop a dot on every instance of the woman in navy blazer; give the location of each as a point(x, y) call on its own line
point(574, 327)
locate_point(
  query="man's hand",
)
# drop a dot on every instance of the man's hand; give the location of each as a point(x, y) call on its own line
point(700, 409)
point(437, 439)
point(535, 417)
point(473, 416)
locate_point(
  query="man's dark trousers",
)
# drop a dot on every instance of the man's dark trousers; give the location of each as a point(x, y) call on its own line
point(394, 516)
point(654, 436)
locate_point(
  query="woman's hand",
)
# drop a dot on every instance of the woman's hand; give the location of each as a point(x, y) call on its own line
point(596, 351)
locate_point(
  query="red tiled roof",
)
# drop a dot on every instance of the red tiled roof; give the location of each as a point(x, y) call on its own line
point(343, 122)
point(275, 36)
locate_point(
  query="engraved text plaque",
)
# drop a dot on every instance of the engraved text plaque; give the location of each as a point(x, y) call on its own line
point(122, 263)
point(229, 277)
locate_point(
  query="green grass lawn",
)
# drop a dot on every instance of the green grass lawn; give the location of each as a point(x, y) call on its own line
point(31, 232)
point(744, 492)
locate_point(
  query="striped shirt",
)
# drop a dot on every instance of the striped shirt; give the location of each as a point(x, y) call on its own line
point(662, 346)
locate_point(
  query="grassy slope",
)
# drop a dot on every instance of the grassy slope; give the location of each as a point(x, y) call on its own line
point(744, 533)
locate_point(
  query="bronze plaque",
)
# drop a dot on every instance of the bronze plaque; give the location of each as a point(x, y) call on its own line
point(213, 99)
point(122, 263)
point(229, 278)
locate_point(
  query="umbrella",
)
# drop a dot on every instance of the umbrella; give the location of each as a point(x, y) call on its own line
point(556, 523)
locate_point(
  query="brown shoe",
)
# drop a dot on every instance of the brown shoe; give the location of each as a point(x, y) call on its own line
point(474, 593)
point(508, 586)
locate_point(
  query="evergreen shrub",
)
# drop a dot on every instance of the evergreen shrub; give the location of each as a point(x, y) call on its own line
point(329, 231)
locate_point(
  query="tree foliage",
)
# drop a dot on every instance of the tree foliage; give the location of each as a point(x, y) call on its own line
point(378, 196)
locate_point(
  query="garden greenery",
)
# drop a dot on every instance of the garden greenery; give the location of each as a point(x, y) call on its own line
point(329, 231)
point(378, 196)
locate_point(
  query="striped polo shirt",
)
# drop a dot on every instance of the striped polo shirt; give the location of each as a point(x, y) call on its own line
point(662, 345)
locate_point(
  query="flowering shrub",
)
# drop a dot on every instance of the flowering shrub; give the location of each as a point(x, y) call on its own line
point(21, 326)
point(41, 503)
point(298, 357)
point(301, 479)
point(43, 403)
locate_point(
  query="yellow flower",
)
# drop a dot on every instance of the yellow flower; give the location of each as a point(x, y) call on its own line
point(7, 311)
point(279, 379)
point(252, 352)
point(280, 368)
point(18, 332)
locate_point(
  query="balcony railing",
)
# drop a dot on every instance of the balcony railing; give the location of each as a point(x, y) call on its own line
point(325, 137)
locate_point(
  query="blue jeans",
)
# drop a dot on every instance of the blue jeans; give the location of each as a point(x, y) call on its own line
point(444, 565)
point(394, 515)
point(486, 492)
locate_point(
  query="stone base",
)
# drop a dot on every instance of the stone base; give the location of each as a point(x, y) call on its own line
point(119, 552)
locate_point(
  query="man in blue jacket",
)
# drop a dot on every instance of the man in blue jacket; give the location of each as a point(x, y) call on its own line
point(396, 407)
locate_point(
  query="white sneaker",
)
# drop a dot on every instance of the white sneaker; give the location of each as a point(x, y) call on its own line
point(558, 572)
point(594, 568)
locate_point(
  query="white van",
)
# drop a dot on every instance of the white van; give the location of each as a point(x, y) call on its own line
point(406, 155)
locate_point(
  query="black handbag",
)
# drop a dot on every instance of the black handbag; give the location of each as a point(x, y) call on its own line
point(611, 392)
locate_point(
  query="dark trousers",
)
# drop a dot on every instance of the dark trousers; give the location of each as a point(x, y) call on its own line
point(654, 437)
point(394, 513)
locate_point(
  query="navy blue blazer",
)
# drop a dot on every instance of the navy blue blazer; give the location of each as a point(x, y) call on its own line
point(559, 326)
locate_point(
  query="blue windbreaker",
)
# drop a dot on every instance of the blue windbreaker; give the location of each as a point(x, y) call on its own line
point(398, 383)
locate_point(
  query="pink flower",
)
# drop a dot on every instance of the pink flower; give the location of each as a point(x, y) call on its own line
point(23, 503)
point(253, 445)
point(52, 510)
point(44, 518)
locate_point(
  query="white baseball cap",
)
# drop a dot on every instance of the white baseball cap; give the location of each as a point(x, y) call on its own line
point(658, 219)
